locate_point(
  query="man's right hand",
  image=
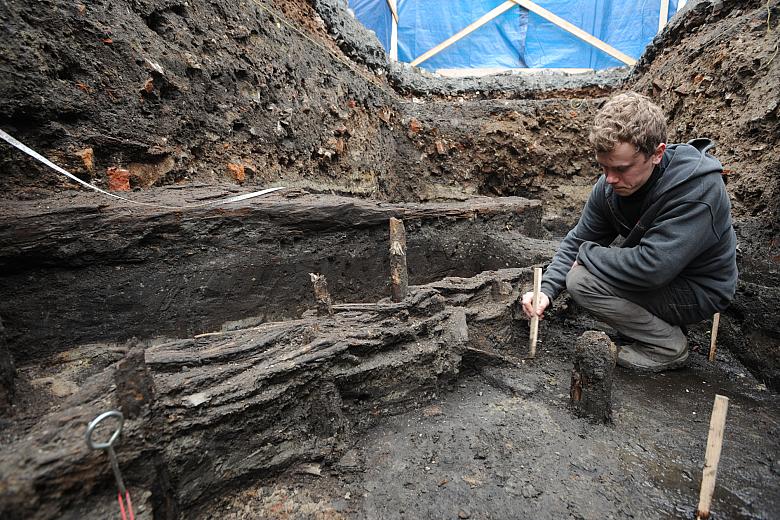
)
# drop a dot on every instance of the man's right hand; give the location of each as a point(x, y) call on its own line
point(528, 304)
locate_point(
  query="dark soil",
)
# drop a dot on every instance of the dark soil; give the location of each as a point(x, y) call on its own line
point(504, 444)
point(207, 98)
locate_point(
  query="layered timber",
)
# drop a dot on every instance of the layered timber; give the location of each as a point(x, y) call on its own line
point(87, 271)
point(233, 407)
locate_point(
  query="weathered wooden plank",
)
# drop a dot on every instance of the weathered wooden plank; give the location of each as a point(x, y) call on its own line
point(151, 273)
point(249, 402)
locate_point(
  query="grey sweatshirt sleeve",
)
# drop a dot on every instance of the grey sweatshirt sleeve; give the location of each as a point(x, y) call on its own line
point(593, 227)
point(676, 237)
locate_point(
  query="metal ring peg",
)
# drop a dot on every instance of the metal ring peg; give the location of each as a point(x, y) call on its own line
point(92, 425)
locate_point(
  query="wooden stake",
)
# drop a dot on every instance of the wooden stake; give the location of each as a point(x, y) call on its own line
point(535, 319)
point(399, 276)
point(712, 456)
point(714, 336)
point(321, 294)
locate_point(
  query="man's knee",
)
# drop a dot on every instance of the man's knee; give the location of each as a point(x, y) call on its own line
point(576, 283)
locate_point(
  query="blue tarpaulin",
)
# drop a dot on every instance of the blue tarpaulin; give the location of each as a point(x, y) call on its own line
point(516, 38)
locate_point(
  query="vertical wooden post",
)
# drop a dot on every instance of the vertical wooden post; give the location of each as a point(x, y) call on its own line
point(712, 456)
point(321, 294)
point(399, 276)
point(714, 335)
point(7, 374)
point(535, 319)
point(134, 383)
point(591, 379)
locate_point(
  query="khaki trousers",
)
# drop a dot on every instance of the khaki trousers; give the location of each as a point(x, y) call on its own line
point(651, 318)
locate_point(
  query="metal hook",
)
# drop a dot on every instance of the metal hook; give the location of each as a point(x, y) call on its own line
point(92, 425)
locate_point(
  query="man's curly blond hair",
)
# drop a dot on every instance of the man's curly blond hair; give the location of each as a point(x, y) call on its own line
point(629, 118)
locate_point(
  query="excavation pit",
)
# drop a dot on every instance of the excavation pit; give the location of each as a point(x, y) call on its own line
point(423, 408)
point(242, 400)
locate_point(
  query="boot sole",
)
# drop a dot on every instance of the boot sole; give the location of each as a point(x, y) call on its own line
point(675, 364)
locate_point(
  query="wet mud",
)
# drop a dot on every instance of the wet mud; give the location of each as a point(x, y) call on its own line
point(504, 444)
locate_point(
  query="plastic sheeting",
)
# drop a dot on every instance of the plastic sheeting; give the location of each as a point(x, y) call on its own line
point(515, 38)
point(424, 24)
point(627, 26)
point(375, 14)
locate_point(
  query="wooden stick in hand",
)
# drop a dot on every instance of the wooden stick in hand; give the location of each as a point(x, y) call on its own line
point(535, 319)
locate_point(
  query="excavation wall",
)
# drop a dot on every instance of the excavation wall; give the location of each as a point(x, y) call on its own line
point(78, 273)
point(257, 93)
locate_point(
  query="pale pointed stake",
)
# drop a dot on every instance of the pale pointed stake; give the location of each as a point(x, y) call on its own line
point(535, 319)
point(714, 336)
point(712, 456)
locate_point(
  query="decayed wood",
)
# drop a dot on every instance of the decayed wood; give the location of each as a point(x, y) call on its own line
point(712, 455)
point(134, 387)
point(321, 294)
point(7, 374)
point(250, 402)
point(591, 379)
point(150, 272)
point(399, 276)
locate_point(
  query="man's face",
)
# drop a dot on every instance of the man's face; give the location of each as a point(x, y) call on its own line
point(626, 168)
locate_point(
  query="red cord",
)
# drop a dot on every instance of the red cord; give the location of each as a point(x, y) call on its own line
point(129, 505)
point(122, 505)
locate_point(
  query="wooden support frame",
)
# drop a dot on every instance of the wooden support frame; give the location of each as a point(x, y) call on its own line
point(664, 16)
point(538, 10)
point(473, 26)
point(393, 30)
point(394, 9)
point(576, 31)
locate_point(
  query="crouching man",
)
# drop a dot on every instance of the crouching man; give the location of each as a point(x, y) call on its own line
point(677, 262)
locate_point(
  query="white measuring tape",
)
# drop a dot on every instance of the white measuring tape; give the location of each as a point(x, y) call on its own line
point(35, 155)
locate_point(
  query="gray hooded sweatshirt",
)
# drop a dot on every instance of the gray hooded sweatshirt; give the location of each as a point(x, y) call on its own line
point(684, 230)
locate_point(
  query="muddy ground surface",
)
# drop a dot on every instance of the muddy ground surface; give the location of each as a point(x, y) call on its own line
point(498, 440)
point(503, 444)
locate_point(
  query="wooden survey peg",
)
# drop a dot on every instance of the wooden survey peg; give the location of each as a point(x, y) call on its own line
point(712, 456)
point(714, 335)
